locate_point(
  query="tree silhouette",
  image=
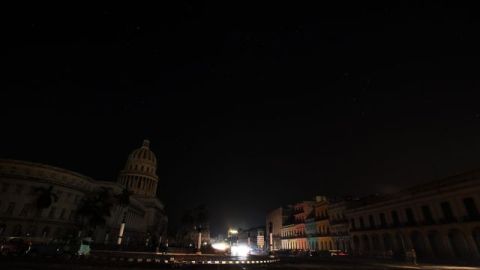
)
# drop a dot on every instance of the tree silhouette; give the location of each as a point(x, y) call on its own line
point(45, 197)
point(94, 209)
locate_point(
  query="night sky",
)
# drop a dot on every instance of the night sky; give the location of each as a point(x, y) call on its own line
point(247, 107)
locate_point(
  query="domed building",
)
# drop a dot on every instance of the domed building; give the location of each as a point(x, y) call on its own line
point(21, 183)
point(139, 175)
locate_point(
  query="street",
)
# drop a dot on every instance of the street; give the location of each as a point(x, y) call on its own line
point(21, 263)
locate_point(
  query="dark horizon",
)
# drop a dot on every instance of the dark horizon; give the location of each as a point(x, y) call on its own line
point(247, 113)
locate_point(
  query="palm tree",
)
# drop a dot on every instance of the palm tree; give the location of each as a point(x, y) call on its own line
point(94, 210)
point(44, 199)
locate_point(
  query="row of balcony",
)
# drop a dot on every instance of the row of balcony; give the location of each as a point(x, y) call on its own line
point(338, 221)
point(418, 224)
point(319, 234)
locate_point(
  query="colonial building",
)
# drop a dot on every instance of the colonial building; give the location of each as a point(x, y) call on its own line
point(22, 181)
point(339, 226)
point(319, 225)
point(440, 219)
point(293, 229)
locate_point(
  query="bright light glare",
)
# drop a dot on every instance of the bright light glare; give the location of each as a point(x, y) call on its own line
point(220, 246)
point(233, 231)
point(241, 250)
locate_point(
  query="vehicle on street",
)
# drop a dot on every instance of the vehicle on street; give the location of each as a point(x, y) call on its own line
point(14, 246)
point(45, 249)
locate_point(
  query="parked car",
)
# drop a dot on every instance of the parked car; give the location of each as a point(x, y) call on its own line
point(45, 249)
point(15, 246)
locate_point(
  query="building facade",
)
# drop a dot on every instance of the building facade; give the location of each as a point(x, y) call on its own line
point(339, 226)
point(440, 219)
point(294, 229)
point(22, 182)
point(319, 225)
point(318, 233)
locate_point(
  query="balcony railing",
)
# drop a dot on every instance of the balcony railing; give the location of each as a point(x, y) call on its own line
point(417, 224)
point(297, 211)
point(298, 235)
point(319, 234)
point(338, 221)
point(320, 218)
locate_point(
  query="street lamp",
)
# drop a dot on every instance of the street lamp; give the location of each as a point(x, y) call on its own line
point(270, 236)
point(122, 229)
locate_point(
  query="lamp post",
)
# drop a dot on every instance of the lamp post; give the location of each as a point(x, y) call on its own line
point(270, 236)
point(199, 240)
point(122, 229)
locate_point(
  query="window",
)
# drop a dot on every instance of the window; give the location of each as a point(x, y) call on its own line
point(395, 219)
point(470, 207)
point(383, 221)
point(10, 208)
point(410, 216)
point(427, 215)
point(447, 211)
point(371, 221)
point(362, 224)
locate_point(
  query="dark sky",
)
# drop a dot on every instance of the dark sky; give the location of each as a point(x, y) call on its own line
point(247, 107)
